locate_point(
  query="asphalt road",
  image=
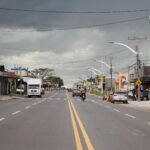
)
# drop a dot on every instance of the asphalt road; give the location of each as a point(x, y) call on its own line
point(59, 122)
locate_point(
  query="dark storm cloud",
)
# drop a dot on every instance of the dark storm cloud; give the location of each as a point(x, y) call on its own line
point(21, 43)
point(40, 21)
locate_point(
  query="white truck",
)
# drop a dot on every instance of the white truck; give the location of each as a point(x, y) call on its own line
point(34, 87)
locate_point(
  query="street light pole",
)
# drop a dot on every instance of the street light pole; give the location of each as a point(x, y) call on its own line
point(111, 74)
point(138, 72)
point(136, 52)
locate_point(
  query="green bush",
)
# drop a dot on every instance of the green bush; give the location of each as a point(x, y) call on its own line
point(13, 91)
point(96, 93)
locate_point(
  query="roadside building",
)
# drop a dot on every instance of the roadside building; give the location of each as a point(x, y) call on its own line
point(21, 72)
point(7, 82)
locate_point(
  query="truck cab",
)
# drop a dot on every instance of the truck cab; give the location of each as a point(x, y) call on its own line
point(34, 88)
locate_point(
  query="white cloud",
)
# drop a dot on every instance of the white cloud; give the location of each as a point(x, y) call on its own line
point(58, 48)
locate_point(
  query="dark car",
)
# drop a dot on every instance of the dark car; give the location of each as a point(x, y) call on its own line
point(145, 95)
point(76, 92)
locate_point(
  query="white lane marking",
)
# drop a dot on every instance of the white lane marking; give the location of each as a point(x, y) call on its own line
point(16, 112)
point(34, 103)
point(116, 110)
point(100, 104)
point(148, 123)
point(27, 107)
point(94, 101)
point(133, 117)
point(1, 119)
point(107, 106)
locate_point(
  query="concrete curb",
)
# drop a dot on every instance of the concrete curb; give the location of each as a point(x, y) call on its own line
point(5, 98)
point(95, 95)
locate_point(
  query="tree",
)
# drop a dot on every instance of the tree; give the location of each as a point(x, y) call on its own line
point(42, 72)
point(56, 80)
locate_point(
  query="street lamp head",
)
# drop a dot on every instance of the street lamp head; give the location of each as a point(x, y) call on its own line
point(122, 44)
point(111, 42)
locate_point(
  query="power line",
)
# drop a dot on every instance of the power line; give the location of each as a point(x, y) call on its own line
point(74, 12)
point(106, 24)
point(82, 27)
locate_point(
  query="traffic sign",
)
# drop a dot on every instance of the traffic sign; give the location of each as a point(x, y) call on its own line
point(138, 82)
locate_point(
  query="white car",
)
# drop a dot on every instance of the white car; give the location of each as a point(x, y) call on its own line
point(120, 97)
point(20, 91)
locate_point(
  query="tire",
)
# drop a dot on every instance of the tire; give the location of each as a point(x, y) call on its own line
point(113, 102)
point(126, 102)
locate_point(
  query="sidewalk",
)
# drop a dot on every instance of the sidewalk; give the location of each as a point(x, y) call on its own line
point(9, 97)
point(145, 104)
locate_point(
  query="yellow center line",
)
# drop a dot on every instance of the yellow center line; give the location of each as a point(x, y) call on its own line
point(76, 133)
point(85, 135)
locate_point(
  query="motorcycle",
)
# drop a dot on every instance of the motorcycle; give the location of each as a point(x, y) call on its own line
point(83, 96)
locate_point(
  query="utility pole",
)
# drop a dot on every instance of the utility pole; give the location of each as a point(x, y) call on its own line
point(138, 72)
point(138, 62)
point(111, 73)
point(128, 79)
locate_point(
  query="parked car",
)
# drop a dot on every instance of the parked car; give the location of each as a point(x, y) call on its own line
point(120, 97)
point(145, 95)
point(20, 91)
point(76, 92)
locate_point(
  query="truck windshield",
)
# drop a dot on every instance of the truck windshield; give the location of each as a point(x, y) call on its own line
point(34, 86)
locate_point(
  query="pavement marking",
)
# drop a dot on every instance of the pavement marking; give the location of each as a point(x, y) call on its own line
point(148, 123)
point(84, 133)
point(75, 129)
point(34, 103)
point(116, 110)
point(1, 119)
point(107, 106)
point(27, 107)
point(94, 101)
point(133, 117)
point(16, 112)
point(101, 104)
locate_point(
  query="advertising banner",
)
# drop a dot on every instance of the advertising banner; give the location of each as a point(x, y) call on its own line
point(123, 81)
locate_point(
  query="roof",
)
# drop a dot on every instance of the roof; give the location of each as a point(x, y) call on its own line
point(8, 74)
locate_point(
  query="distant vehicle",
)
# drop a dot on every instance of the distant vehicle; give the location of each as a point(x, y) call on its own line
point(20, 91)
point(76, 92)
point(34, 87)
point(83, 95)
point(120, 97)
point(145, 95)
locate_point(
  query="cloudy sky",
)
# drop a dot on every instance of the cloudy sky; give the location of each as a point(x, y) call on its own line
point(52, 33)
